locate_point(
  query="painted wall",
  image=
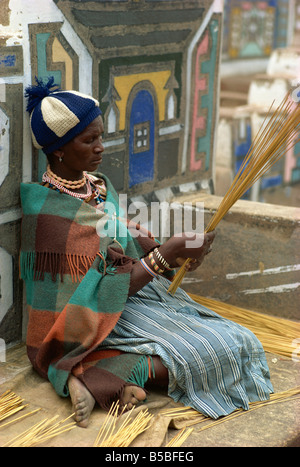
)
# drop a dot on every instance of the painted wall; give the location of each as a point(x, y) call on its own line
point(260, 64)
point(239, 124)
point(155, 71)
point(254, 28)
point(154, 66)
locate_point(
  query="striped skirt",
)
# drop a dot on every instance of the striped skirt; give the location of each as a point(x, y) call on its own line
point(214, 365)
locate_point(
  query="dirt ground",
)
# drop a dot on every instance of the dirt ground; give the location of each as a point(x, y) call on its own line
point(273, 425)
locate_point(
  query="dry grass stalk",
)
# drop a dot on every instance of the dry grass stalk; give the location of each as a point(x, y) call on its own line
point(186, 415)
point(277, 135)
point(276, 334)
point(19, 418)
point(41, 432)
point(112, 436)
point(177, 411)
point(180, 438)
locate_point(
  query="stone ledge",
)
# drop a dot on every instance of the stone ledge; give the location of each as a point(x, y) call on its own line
point(244, 207)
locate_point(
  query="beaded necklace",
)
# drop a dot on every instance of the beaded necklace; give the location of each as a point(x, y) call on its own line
point(72, 184)
point(93, 191)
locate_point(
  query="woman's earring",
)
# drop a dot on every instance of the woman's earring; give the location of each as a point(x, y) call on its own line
point(60, 159)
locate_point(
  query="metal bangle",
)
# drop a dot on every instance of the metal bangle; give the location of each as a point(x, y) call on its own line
point(162, 259)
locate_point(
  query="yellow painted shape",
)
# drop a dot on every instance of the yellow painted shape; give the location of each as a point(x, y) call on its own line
point(124, 85)
point(233, 53)
point(60, 55)
point(267, 50)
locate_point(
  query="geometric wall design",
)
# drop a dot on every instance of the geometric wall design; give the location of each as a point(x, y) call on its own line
point(254, 28)
point(155, 69)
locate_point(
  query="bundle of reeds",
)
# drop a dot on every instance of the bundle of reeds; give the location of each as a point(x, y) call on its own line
point(10, 404)
point(192, 419)
point(112, 435)
point(186, 415)
point(277, 134)
point(277, 335)
point(41, 432)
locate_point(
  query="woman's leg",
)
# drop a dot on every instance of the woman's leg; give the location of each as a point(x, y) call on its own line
point(160, 376)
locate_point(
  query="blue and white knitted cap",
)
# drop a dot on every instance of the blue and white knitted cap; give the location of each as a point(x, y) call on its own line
point(56, 116)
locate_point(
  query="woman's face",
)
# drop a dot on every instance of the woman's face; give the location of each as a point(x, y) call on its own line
point(84, 152)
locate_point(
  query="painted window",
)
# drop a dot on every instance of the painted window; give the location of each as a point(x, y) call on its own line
point(142, 137)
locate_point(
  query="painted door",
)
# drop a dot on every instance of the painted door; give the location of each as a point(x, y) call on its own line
point(141, 139)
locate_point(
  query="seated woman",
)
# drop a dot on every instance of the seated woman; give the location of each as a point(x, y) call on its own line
point(102, 325)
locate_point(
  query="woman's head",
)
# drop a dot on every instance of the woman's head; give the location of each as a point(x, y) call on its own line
point(57, 117)
point(83, 152)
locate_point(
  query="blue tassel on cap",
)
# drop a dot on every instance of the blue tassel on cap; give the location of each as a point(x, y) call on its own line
point(35, 94)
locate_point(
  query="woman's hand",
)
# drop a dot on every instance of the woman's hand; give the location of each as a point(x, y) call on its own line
point(193, 264)
point(175, 251)
point(180, 247)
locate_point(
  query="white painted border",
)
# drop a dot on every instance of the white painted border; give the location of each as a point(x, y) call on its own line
point(265, 272)
point(273, 289)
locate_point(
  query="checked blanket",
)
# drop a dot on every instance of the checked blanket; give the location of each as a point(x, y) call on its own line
point(77, 284)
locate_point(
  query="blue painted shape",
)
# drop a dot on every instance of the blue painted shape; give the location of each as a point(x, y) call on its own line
point(241, 150)
point(8, 60)
point(238, 164)
point(141, 164)
point(270, 182)
point(273, 3)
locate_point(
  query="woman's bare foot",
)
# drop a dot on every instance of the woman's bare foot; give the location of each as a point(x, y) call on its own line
point(132, 396)
point(82, 401)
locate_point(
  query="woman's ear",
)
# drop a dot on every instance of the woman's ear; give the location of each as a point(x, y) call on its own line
point(59, 154)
